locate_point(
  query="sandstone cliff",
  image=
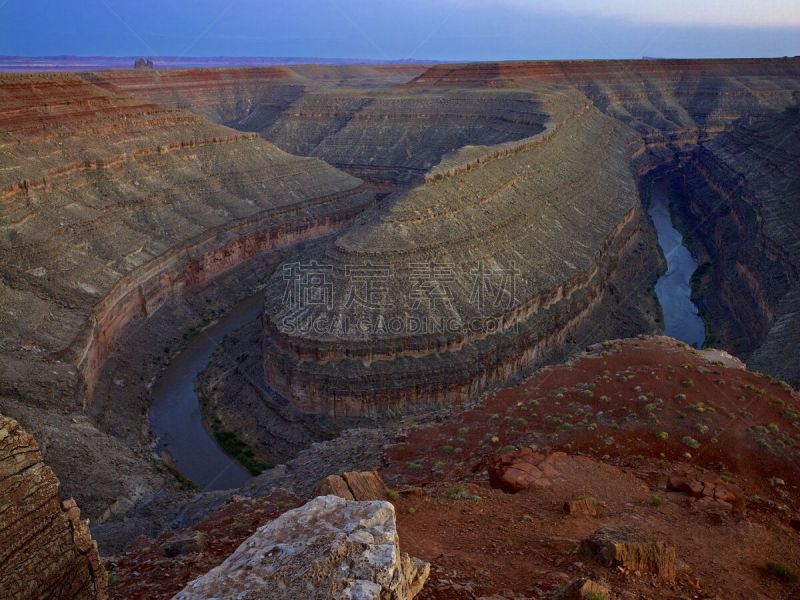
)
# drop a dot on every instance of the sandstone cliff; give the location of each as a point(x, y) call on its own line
point(46, 551)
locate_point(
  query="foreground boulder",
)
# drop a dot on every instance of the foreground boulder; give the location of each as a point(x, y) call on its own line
point(520, 469)
point(46, 551)
point(631, 548)
point(330, 548)
point(701, 485)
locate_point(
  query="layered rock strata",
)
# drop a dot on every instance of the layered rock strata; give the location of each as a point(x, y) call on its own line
point(109, 205)
point(46, 551)
point(668, 108)
point(463, 281)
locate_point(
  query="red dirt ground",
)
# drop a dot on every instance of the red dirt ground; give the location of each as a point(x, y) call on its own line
point(609, 412)
point(610, 406)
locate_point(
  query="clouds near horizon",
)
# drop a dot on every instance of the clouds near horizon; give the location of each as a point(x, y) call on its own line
point(384, 29)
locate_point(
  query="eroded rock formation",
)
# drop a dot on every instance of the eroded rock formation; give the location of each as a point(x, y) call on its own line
point(328, 548)
point(46, 551)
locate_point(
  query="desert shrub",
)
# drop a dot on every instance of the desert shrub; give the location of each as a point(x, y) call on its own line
point(781, 571)
point(691, 442)
point(656, 500)
point(456, 492)
point(447, 449)
point(391, 494)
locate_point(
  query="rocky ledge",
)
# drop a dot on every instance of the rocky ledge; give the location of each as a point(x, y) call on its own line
point(45, 548)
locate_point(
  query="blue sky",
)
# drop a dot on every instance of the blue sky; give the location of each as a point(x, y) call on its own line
point(381, 29)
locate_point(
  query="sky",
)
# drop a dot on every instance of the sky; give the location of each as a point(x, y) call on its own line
point(465, 30)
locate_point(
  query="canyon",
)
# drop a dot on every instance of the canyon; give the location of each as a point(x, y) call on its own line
point(419, 236)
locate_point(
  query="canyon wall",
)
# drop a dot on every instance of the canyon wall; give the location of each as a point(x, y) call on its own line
point(672, 104)
point(439, 126)
point(46, 551)
point(251, 98)
point(508, 226)
point(109, 205)
point(740, 208)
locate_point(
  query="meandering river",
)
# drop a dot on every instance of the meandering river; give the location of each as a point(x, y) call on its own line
point(673, 288)
point(175, 413)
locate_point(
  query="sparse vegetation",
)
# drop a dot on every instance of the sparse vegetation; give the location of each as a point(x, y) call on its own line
point(391, 494)
point(185, 482)
point(457, 492)
point(447, 449)
point(656, 500)
point(691, 442)
point(781, 571)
